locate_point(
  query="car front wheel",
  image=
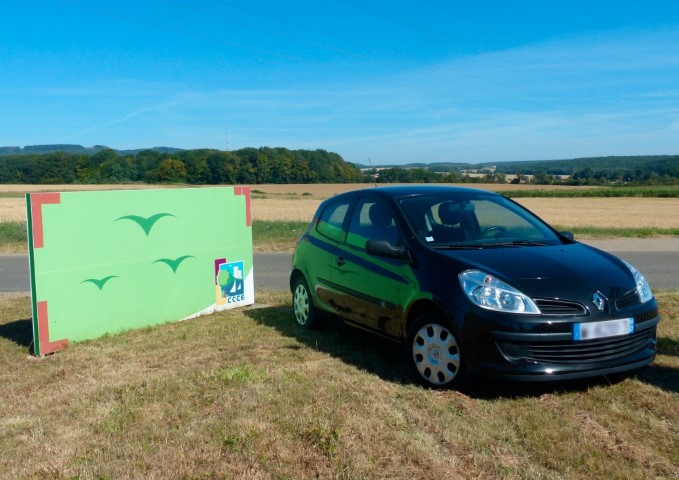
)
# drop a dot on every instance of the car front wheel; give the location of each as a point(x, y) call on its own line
point(433, 353)
point(303, 305)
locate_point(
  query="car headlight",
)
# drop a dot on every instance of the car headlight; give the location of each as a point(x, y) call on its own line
point(644, 289)
point(490, 293)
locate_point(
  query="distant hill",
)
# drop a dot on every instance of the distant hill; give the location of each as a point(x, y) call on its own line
point(63, 163)
point(78, 149)
point(434, 167)
point(550, 167)
point(570, 166)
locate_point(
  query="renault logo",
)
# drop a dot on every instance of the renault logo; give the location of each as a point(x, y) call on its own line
point(599, 301)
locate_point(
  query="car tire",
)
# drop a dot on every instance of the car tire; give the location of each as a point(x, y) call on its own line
point(433, 353)
point(303, 306)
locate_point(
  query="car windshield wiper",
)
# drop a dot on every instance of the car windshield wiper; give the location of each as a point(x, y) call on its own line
point(514, 243)
point(456, 247)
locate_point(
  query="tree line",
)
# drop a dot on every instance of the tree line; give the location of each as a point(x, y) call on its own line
point(205, 166)
point(663, 172)
point(648, 169)
point(280, 165)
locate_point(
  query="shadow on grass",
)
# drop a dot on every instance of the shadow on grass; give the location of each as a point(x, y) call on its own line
point(18, 331)
point(384, 358)
point(665, 378)
point(668, 346)
point(353, 346)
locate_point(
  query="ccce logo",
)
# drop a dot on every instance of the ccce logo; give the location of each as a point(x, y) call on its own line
point(231, 282)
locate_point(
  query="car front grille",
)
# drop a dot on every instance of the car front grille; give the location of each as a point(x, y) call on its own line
point(627, 300)
point(646, 316)
point(551, 306)
point(555, 306)
point(569, 352)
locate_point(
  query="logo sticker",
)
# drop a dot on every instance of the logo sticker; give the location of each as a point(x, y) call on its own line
point(230, 282)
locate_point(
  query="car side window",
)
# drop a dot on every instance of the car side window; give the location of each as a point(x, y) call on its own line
point(372, 220)
point(331, 220)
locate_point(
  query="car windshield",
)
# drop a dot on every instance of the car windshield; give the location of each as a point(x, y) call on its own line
point(468, 220)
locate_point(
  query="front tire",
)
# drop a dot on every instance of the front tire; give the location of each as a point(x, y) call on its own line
point(306, 313)
point(433, 353)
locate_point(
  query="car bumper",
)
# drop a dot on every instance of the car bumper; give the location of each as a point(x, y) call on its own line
point(539, 374)
point(556, 356)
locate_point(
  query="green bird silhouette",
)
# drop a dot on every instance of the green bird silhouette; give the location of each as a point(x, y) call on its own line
point(100, 282)
point(145, 223)
point(173, 264)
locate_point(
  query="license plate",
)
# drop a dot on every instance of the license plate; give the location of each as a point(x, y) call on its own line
point(609, 328)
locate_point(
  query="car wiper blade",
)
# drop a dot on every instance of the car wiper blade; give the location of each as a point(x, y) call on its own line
point(456, 247)
point(515, 243)
point(530, 243)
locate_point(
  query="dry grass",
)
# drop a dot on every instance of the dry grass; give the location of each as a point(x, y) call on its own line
point(326, 190)
point(624, 212)
point(12, 210)
point(13, 204)
point(21, 189)
point(247, 394)
point(299, 202)
point(287, 202)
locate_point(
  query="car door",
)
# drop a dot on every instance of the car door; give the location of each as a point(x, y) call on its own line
point(328, 233)
point(370, 291)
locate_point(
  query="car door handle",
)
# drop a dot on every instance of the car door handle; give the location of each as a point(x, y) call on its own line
point(340, 261)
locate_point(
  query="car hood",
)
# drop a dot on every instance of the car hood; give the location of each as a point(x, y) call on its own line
point(571, 271)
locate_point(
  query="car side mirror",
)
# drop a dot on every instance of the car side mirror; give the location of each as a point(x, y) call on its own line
point(383, 248)
point(568, 235)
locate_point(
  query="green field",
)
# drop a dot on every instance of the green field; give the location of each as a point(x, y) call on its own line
point(268, 236)
point(248, 394)
point(645, 192)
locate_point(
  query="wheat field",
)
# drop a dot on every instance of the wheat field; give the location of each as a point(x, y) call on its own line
point(299, 202)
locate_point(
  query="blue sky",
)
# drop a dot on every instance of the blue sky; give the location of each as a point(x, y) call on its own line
point(390, 81)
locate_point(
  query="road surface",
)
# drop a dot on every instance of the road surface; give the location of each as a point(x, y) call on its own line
point(656, 258)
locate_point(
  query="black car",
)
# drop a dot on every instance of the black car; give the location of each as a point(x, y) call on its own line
point(472, 283)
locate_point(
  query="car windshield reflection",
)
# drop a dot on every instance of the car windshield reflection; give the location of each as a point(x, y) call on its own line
point(472, 222)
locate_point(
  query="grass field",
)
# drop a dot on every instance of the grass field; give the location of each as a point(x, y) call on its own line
point(280, 212)
point(598, 192)
point(247, 394)
point(298, 203)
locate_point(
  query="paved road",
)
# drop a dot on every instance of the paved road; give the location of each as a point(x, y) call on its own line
point(656, 258)
point(14, 273)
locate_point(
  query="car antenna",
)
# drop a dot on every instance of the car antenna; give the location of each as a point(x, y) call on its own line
point(375, 172)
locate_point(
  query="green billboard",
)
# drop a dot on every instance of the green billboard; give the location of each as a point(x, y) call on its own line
point(109, 261)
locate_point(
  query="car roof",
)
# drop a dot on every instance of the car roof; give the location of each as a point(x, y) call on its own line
point(396, 191)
